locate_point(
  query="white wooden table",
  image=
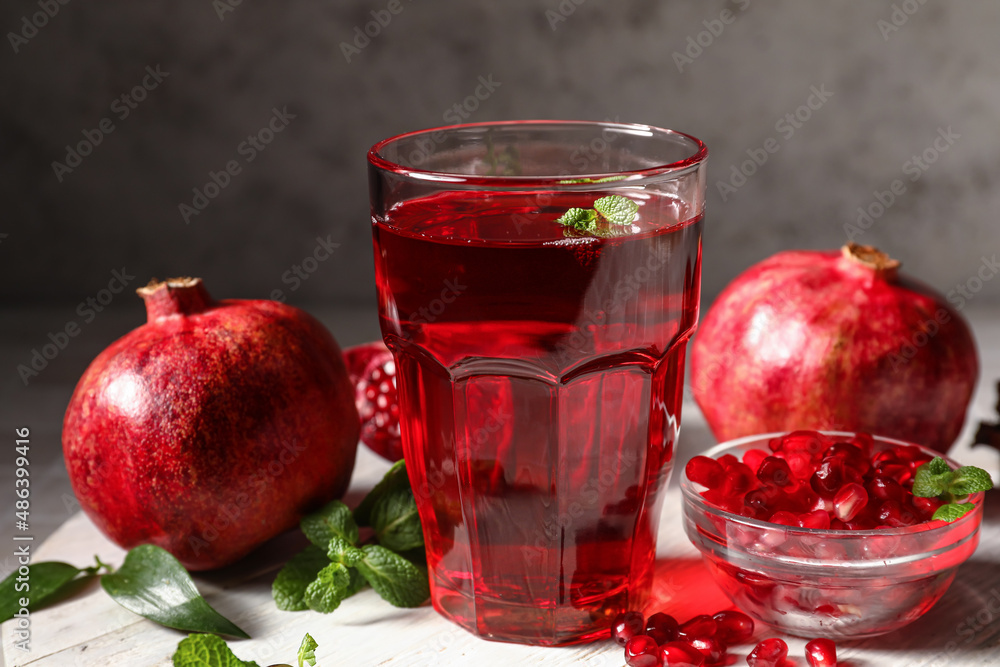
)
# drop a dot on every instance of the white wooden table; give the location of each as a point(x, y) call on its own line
point(963, 629)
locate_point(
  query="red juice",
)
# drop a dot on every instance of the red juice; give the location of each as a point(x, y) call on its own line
point(540, 382)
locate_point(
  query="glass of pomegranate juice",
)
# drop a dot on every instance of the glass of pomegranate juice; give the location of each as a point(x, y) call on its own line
point(537, 284)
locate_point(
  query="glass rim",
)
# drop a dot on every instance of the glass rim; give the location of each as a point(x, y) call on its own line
point(673, 169)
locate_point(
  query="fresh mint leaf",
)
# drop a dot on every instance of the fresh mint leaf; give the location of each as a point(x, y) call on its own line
point(396, 522)
point(969, 479)
point(333, 520)
point(307, 650)
point(289, 587)
point(47, 580)
point(952, 511)
point(937, 466)
point(152, 583)
point(583, 219)
point(616, 209)
point(329, 589)
point(395, 478)
point(397, 580)
point(206, 651)
point(931, 481)
point(341, 551)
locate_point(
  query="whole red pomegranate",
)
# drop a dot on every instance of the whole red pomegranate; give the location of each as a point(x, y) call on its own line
point(833, 340)
point(211, 428)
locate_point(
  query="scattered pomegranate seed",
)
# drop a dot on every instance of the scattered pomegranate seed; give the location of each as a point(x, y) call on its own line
point(681, 654)
point(662, 627)
point(626, 626)
point(849, 501)
point(709, 647)
point(768, 653)
point(642, 651)
point(821, 653)
point(733, 627)
point(705, 471)
point(702, 625)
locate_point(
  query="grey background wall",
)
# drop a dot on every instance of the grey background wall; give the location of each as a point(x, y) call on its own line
point(886, 80)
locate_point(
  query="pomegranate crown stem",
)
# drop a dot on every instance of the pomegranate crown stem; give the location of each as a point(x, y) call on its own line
point(175, 296)
point(872, 258)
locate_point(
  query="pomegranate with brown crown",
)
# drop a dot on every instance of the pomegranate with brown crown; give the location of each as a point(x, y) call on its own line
point(211, 428)
point(834, 340)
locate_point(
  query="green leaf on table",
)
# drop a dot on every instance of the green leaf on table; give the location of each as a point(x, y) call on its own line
point(206, 651)
point(153, 584)
point(395, 478)
point(333, 520)
point(397, 580)
point(290, 585)
point(970, 479)
point(307, 650)
point(952, 511)
point(46, 580)
point(340, 550)
point(396, 522)
point(331, 587)
point(616, 209)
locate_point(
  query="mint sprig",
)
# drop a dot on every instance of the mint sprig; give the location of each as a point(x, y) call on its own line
point(307, 650)
point(936, 479)
point(336, 566)
point(607, 218)
point(206, 651)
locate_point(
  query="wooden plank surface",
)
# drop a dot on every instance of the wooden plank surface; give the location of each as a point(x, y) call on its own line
point(90, 629)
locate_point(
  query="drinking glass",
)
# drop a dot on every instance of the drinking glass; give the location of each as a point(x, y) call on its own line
point(539, 365)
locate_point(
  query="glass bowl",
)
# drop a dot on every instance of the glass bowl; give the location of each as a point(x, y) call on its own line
point(827, 583)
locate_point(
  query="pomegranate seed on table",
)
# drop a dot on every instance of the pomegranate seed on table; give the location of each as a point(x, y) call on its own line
point(705, 471)
point(662, 627)
point(849, 501)
point(709, 647)
point(681, 654)
point(702, 625)
point(627, 625)
point(642, 651)
point(768, 653)
point(821, 653)
point(733, 627)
